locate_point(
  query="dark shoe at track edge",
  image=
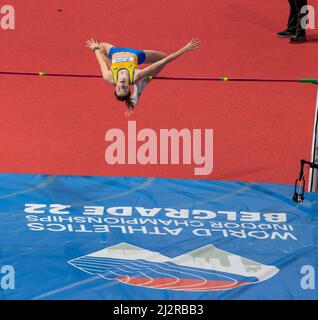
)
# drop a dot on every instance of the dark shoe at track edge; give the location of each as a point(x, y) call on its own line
point(285, 34)
point(297, 38)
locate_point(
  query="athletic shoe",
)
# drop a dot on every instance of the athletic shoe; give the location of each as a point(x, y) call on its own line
point(135, 96)
point(297, 38)
point(138, 88)
point(141, 84)
point(285, 34)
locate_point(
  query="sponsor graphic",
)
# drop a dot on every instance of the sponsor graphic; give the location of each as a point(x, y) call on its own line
point(204, 269)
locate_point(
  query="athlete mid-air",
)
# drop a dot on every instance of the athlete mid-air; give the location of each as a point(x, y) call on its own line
point(120, 67)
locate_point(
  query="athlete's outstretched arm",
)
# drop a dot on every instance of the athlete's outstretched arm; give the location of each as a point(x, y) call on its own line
point(99, 56)
point(156, 67)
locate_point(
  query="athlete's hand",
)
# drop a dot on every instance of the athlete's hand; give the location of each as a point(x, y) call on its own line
point(192, 45)
point(92, 44)
point(129, 112)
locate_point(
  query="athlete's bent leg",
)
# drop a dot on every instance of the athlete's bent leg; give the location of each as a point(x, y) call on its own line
point(105, 48)
point(153, 56)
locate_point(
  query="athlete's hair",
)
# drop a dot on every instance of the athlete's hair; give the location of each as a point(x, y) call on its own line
point(126, 99)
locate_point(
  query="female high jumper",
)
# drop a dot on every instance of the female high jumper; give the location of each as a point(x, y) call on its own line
point(120, 67)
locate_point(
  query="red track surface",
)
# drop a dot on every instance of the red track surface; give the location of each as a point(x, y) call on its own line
point(57, 125)
point(181, 284)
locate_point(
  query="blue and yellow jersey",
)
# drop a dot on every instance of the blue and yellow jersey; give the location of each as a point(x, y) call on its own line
point(128, 63)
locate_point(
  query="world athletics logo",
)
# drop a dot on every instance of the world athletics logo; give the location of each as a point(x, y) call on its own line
point(204, 269)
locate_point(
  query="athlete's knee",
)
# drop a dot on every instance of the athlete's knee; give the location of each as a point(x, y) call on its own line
point(105, 46)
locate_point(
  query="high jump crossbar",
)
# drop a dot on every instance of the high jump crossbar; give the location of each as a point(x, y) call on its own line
point(72, 75)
